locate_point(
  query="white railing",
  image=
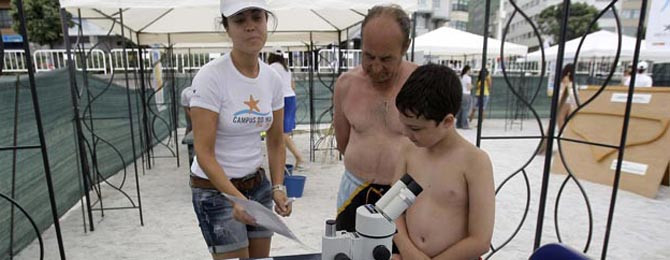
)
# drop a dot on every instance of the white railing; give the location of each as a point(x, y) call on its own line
point(47, 60)
point(328, 59)
point(186, 61)
point(14, 61)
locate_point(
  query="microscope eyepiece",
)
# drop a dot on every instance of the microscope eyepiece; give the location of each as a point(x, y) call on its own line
point(415, 188)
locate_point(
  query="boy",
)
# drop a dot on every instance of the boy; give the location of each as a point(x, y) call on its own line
point(453, 217)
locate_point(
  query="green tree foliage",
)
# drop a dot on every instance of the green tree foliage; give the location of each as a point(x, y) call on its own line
point(581, 15)
point(42, 20)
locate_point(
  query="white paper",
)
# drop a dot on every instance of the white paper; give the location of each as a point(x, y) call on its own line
point(637, 98)
point(265, 217)
point(631, 167)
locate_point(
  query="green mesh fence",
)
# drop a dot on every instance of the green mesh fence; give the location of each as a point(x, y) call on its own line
point(107, 117)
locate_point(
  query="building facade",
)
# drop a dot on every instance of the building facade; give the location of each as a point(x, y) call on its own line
point(476, 16)
point(433, 14)
point(10, 38)
point(520, 31)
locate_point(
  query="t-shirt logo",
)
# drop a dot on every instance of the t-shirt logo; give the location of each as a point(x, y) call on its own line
point(252, 115)
point(253, 104)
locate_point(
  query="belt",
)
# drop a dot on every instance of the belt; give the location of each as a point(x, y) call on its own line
point(243, 184)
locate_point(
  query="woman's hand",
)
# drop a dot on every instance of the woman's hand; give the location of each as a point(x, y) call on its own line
point(282, 205)
point(241, 215)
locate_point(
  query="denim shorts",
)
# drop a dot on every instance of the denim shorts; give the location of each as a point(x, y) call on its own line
point(221, 231)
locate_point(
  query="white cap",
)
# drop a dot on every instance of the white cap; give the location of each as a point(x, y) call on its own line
point(231, 7)
point(642, 65)
point(277, 50)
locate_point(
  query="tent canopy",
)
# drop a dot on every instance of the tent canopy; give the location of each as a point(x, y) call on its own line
point(447, 41)
point(601, 44)
point(198, 21)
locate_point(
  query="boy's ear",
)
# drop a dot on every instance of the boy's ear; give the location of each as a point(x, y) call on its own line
point(448, 120)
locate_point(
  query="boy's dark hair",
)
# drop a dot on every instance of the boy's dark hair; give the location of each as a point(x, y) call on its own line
point(432, 91)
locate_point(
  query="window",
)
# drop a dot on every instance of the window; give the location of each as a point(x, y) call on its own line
point(459, 5)
point(460, 25)
point(5, 19)
point(436, 4)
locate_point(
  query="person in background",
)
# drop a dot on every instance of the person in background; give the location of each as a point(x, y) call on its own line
point(626, 76)
point(278, 63)
point(186, 95)
point(236, 97)
point(566, 103)
point(483, 103)
point(466, 83)
point(641, 79)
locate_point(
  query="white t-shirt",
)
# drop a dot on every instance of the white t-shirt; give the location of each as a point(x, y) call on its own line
point(186, 95)
point(641, 80)
point(465, 81)
point(285, 79)
point(245, 107)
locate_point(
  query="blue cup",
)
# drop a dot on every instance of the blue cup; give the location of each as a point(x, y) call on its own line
point(295, 185)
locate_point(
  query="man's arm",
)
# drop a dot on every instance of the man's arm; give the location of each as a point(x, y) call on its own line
point(481, 213)
point(340, 122)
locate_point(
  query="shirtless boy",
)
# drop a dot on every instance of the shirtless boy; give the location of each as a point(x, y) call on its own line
point(453, 217)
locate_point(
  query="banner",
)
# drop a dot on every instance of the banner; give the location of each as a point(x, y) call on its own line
point(658, 25)
point(157, 78)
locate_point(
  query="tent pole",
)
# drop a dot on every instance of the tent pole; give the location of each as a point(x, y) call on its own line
point(81, 149)
point(40, 129)
point(130, 118)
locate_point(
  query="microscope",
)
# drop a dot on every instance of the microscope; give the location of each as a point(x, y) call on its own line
point(375, 226)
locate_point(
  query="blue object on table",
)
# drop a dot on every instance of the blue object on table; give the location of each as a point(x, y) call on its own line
point(556, 251)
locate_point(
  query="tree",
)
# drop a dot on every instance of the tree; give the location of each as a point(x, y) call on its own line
point(42, 20)
point(581, 15)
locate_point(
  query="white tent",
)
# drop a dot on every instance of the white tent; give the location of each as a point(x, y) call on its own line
point(452, 42)
point(601, 44)
point(197, 21)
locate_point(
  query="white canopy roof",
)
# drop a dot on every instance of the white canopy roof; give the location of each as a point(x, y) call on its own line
point(447, 41)
point(198, 21)
point(602, 44)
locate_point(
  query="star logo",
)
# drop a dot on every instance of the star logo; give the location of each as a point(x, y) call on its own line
point(253, 104)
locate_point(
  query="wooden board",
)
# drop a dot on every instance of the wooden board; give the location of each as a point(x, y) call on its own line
point(647, 152)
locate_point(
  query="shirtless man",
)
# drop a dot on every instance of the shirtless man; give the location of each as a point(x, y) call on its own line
point(456, 176)
point(366, 123)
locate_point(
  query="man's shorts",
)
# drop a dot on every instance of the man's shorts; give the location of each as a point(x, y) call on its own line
point(290, 109)
point(353, 193)
point(221, 231)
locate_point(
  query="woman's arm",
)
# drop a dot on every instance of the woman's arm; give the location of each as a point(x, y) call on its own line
point(204, 137)
point(276, 160)
point(204, 124)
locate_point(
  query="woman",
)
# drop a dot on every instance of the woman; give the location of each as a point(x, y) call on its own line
point(235, 98)
point(466, 82)
point(485, 100)
point(278, 63)
point(566, 102)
